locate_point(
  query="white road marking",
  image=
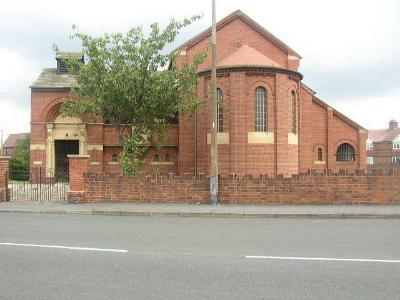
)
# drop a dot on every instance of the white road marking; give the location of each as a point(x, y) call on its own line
point(65, 247)
point(324, 259)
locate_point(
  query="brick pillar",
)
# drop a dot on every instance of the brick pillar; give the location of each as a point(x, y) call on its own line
point(238, 122)
point(330, 151)
point(362, 151)
point(4, 163)
point(78, 166)
point(287, 143)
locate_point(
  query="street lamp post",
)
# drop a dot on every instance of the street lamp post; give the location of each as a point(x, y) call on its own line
point(214, 149)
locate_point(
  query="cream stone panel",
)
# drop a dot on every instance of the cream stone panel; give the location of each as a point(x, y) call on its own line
point(318, 162)
point(293, 139)
point(260, 138)
point(222, 138)
point(68, 133)
point(37, 146)
point(91, 147)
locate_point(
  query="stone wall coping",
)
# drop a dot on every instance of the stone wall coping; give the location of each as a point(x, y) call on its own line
point(5, 157)
point(77, 156)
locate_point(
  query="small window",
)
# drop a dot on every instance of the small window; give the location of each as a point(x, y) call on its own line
point(156, 157)
point(396, 160)
point(345, 152)
point(167, 157)
point(220, 111)
point(319, 154)
point(370, 160)
point(370, 144)
point(114, 157)
point(261, 109)
point(294, 113)
point(396, 145)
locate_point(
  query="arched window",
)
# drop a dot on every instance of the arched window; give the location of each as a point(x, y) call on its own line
point(261, 109)
point(319, 158)
point(220, 110)
point(156, 157)
point(345, 152)
point(167, 157)
point(294, 114)
point(114, 157)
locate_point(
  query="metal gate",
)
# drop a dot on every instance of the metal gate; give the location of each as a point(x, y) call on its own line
point(38, 185)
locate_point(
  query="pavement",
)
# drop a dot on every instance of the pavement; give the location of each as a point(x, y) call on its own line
point(190, 210)
point(65, 256)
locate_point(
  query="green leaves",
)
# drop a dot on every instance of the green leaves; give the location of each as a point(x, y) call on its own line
point(125, 81)
point(19, 162)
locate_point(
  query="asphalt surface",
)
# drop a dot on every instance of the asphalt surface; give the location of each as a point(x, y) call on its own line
point(196, 258)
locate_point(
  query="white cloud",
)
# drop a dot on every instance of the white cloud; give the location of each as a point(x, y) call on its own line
point(371, 113)
point(17, 70)
point(13, 119)
point(334, 37)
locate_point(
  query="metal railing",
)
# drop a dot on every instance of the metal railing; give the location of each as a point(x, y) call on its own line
point(38, 185)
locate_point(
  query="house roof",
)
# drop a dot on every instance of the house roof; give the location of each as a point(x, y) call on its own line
point(49, 78)
point(11, 141)
point(239, 14)
point(247, 56)
point(383, 135)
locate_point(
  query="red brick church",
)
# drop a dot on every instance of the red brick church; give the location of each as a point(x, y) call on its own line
point(269, 122)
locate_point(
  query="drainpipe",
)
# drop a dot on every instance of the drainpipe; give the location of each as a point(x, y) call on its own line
point(195, 143)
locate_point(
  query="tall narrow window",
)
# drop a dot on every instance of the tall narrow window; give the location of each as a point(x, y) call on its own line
point(220, 111)
point(319, 154)
point(261, 109)
point(294, 115)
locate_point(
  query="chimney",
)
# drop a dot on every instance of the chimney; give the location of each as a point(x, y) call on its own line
point(62, 60)
point(393, 124)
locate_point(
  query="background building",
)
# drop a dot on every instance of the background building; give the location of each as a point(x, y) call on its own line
point(383, 147)
point(10, 144)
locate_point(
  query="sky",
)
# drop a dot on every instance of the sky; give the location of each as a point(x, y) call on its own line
point(350, 48)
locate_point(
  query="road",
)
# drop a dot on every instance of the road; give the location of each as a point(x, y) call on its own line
point(196, 258)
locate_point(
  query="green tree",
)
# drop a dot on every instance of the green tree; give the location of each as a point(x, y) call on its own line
point(19, 162)
point(128, 82)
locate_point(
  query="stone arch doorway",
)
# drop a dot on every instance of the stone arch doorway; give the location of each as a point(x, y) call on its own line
point(65, 135)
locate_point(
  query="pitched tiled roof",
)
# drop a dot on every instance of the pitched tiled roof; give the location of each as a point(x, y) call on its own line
point(49, 78)
point(248, 20)
point(383, 135)
point(247, 56)
point(12, 139)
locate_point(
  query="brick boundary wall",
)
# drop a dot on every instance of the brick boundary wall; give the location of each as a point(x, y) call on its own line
point(101, 187)
point(310, 188)
point(4, 164)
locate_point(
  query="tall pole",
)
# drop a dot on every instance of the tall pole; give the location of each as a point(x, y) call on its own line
point(1, 142)
point(214, 150)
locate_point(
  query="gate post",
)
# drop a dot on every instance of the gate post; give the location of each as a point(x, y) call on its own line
point(78, 166)
point(4, 163)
